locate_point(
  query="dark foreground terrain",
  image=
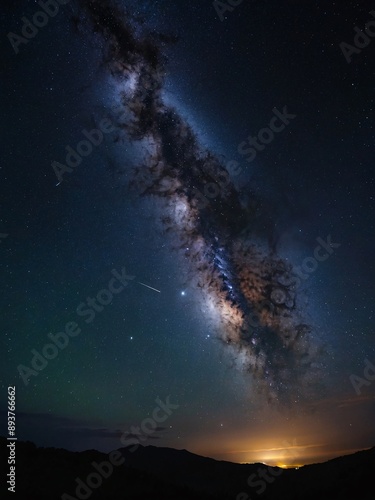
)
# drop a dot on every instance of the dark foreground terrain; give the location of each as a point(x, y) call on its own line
point(154, 473)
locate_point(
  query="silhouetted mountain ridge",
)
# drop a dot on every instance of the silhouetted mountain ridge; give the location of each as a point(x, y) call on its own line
point(155, 473)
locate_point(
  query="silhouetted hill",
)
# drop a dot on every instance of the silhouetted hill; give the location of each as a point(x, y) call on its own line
point(154, 473)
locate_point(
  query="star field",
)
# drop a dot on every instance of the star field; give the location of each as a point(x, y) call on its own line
point(229, 310)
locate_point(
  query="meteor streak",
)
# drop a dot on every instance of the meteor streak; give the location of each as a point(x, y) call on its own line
point(247, 291)
point(149, 287)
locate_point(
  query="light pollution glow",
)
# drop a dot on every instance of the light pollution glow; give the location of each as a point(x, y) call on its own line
point(286, 439)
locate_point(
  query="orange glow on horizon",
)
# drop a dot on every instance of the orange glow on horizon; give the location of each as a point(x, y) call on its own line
point(287, 440)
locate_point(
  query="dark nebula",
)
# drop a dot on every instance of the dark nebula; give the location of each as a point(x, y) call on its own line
point(247, 290)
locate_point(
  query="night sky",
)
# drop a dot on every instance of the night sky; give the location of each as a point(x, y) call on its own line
point(229, 206)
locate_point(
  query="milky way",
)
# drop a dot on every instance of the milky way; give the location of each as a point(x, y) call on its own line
point(247, 290)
